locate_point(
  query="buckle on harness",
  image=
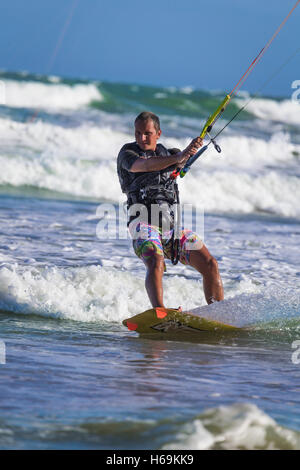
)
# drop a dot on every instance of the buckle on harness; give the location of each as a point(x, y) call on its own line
point(143, 193)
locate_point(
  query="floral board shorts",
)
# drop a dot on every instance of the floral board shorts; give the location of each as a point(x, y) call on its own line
point(148, 240)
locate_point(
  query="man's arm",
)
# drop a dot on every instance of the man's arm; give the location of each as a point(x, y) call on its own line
point(154, 163)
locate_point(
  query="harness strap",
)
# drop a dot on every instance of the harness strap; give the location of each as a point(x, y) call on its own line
point(175, 250)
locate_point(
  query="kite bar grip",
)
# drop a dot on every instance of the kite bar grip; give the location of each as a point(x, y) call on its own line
point(191, 160)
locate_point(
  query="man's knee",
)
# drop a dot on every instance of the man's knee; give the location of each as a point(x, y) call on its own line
point(208, 264)
point(212, 265)
point(203, 261)
point(155, 262)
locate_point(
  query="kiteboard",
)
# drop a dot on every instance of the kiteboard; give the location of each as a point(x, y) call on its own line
point(168, 320)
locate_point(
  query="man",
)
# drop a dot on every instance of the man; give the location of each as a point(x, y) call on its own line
point(144, 170)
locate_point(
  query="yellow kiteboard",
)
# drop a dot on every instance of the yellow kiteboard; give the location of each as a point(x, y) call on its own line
point(168, 320)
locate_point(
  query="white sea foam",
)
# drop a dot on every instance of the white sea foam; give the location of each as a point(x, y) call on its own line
point(79, 158)
point(82, 294)
point(239, 426)
point(93, 293)
point(246, 301)
point(187, 90)
point(286, 111)
point(252, 174)
point(235, 192)
point(89, 294)
point(27, 94)
point(252, 153)
point(96, 293)
point(78, 161)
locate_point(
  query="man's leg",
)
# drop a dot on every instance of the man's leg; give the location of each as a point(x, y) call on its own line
point(153, 283)
point(207, 265)
point(147, 246)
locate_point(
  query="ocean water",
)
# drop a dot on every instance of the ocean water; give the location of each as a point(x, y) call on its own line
point(72, 377)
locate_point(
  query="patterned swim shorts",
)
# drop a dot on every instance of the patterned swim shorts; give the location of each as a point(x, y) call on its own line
point(148, 240)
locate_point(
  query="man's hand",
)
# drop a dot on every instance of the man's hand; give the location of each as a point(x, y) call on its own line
point(193, 147)
point(190, 150)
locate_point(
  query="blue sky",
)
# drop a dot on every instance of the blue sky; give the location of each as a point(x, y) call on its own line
point(200, 43)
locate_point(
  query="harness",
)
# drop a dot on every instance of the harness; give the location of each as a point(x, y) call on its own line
point(162, 194)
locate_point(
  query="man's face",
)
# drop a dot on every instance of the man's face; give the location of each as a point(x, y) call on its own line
point(146, 135)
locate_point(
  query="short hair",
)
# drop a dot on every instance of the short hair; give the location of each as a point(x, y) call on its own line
point(145, 116)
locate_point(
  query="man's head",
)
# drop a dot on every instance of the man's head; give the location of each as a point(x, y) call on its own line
point(147, 130)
